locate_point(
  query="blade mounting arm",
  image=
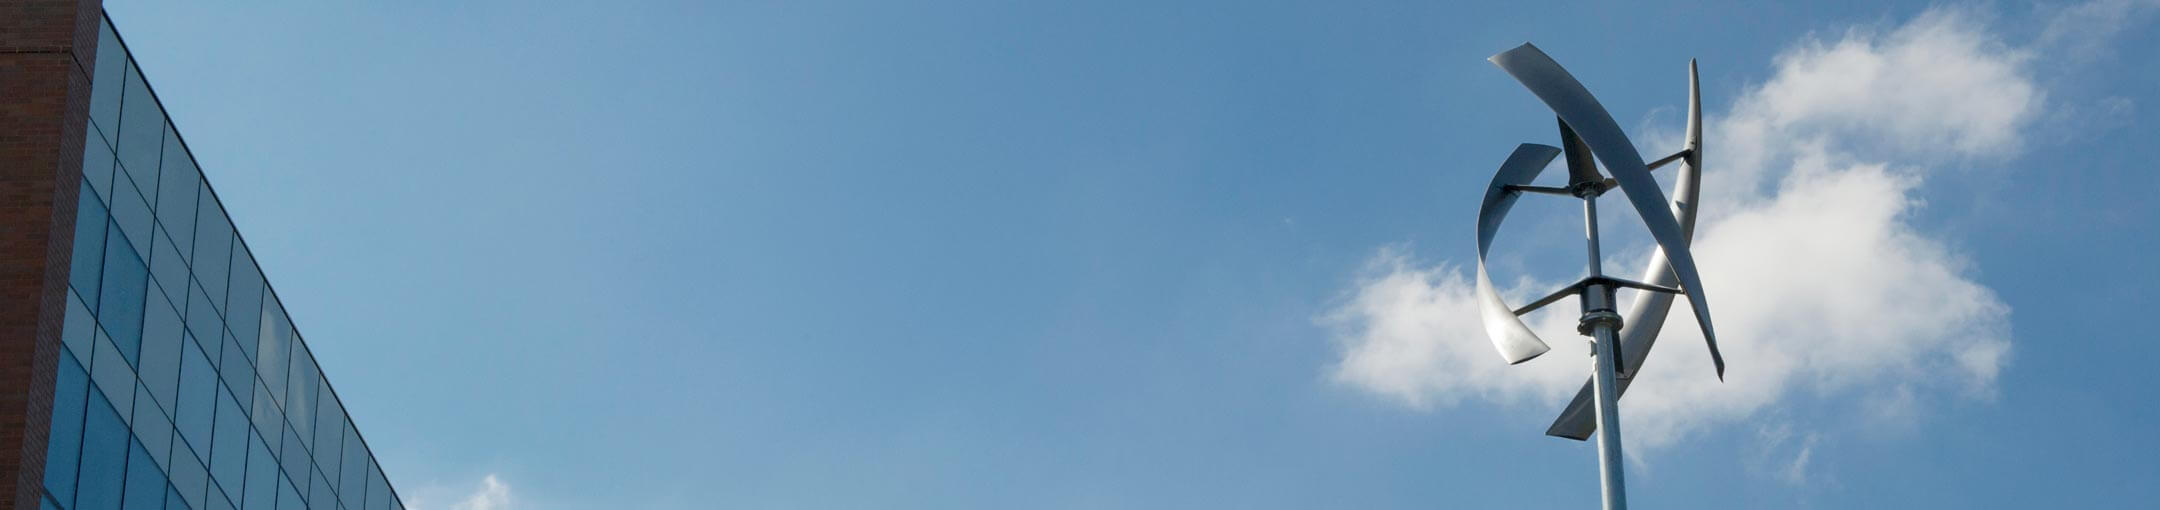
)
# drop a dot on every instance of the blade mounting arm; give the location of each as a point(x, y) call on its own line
point(1632, 284)
point(1668, 159)
point(1555, 297)
point(1547, 190)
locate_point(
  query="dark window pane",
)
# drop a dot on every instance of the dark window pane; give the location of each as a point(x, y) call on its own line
point(159, 366)
point(300, 396)
point(120, 306)
point(288, 497)
point(145, 484)
point(210, 345)
point(213, 247)
point(142, 133)
point(104, 457)
point(239, 373)
point(202, 318)
point(110, 373)
point(268, 419)
point(352, 479)
point(262, 477)
point(78, 328)
point(219, 502)
point(295, 457)
point(320, 492)
point(244, 305)
point(134, 218)
point(108, 80)
point(173, 500)
point(152, 428)
point(198, 398)
point(378, 494)
point(178, 183)
point(189, 479)
point(169, 269)
point(229, 446)
point(273, 349)
point(98, 166)
point(64, 446)
point(329, 431)
point(89, 258)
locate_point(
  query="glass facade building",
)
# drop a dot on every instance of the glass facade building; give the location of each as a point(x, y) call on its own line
point(168, 376)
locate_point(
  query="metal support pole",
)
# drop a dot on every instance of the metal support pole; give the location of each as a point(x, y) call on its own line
point(1602, 325)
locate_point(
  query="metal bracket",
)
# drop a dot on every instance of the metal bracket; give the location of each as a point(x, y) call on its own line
point(1576, 288)
point(1668, 159)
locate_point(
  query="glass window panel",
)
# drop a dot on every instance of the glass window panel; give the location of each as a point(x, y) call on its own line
point(213, 247)
point(239, 373)
point(79, 328)
point(89, 258)
point(159, 366)
point(378, 493)
point(98, 166)
point(262, 476)
point(108, 79)
point(104, 457)
point(300, 395)
point(189, 479)
point(198, 398)
point(294, 455)
point(145, 484)
point(63, 447)
point(268, 419)
point(142, 133)
point(173, 500)
point(244, 305)
point(288, 497)
point(275, 345)
point(120, 306)
point(169, 269)
point(352, 480)
point(202, 318)
point(329, 431)
point(209, 345)
point(229, 446)
point(219, 502)
point(152, 428)
point(134, 218)
point(319, 491)
point(177, 185)
point(112, 374)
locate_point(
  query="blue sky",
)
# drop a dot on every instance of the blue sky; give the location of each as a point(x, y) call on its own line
point(1175, 255)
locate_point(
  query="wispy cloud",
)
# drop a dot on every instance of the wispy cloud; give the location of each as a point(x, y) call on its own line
point(1820, 280)
point(491, 494)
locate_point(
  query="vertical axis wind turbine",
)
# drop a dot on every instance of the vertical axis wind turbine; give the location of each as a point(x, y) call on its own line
point(1619, 345)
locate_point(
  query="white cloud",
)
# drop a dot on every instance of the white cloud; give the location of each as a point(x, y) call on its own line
point(1819, 280)
point(2080, 32)
point(1784, 455)
point(492, 494)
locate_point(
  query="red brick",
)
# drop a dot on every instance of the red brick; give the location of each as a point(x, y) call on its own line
point(46, 50)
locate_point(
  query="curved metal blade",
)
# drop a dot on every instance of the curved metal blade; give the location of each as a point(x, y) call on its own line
point(1567, 97)
point(1581, 168)
point(1639, 329)
point(1514, 340)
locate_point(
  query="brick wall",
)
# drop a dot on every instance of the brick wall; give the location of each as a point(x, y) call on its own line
point(47, 48)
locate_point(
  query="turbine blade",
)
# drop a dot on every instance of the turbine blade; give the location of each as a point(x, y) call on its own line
point(1639, 330)
point(1580, 165)
point(1581, 111)
point(1514, 340)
